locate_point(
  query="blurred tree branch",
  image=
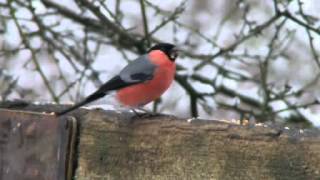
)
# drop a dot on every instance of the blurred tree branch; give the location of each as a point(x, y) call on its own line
point(232, 58)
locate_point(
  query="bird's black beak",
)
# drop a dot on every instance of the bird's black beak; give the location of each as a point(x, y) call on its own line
point(174, 54)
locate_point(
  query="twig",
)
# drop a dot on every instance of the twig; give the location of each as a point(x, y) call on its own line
point(145, 22)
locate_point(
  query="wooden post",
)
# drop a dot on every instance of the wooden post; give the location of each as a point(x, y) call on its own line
point(34, 146)
point(114, 145)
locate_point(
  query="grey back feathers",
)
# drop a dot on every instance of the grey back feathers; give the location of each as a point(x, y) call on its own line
point(139, 70)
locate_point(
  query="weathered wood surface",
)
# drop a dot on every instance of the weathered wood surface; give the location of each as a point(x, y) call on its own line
point(32, 146)
point(168, 148)
point(119, 146)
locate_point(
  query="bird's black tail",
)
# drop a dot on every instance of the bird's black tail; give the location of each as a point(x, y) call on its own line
point(89, 99)
point(113, 84)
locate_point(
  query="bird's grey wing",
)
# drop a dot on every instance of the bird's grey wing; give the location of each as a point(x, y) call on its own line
point(139, 70)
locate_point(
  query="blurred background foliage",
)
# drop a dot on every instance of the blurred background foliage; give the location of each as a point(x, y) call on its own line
point(240, 59)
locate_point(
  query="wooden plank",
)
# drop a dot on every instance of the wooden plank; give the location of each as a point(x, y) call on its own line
point(34, 146)
point(118, 146)
point(115, 147)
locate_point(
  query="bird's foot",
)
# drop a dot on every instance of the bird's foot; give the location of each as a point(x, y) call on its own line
point(144, 113)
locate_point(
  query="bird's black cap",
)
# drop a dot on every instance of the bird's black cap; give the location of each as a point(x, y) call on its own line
point(169, 49)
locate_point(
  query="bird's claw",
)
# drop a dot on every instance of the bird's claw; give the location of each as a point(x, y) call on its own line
point(144, 113)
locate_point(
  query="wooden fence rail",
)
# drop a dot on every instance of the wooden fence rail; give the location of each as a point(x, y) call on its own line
point(112, 145)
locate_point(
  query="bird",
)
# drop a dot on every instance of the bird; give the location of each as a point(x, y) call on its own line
point(142, 81)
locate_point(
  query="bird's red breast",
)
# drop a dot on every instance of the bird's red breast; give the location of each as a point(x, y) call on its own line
point(143, 93)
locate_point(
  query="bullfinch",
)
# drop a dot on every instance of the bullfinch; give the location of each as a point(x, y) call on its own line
point(140, 82)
